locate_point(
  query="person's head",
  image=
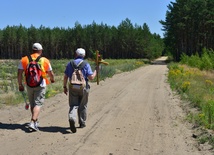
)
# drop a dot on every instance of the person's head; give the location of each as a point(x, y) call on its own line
point(37, 48)
point(80, 52)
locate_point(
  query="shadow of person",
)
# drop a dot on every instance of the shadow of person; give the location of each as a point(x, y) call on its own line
point(11, 126)
point(63, 130)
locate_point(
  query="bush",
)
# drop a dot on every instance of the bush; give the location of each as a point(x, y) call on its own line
point(8, 76)
point(197, 87)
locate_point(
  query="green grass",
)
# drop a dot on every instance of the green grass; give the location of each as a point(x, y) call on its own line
point(197, 87)
point(10, 95)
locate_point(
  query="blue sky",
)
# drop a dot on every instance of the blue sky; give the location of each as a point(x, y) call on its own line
point(64, 13)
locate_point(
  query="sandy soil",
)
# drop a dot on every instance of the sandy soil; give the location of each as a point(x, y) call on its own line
point(133, 113)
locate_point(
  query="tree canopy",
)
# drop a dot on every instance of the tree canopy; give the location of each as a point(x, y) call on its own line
point(125, 41)
point(189, 27)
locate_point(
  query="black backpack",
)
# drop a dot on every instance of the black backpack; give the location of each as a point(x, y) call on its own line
point(33, 73)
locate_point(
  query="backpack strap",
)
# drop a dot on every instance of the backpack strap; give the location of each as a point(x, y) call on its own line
point(78, 66)
point(30, 58)
point(37, 59)
point(82, 64)
point(73, 65)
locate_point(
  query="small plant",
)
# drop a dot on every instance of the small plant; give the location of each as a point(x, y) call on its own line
point(8, 78)
point(194, 86)
point(185, 86)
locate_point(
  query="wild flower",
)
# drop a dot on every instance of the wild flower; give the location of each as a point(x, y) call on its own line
point(139, 63)
point(185, 86)
point(174, 73)
point(208, 82)
point(201, 115)
point(189, 73)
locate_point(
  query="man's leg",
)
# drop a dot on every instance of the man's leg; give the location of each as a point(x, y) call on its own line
point(73, 105)
point(36, 98)
point(82, 110)
point(36, 111)
point(39, 97)
point(72, 115)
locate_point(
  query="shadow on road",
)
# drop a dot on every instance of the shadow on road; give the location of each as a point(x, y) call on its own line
point(11, 126)
point(63, 130)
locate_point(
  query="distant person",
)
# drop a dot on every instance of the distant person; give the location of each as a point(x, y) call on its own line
point(78, 98)
point(36, 92)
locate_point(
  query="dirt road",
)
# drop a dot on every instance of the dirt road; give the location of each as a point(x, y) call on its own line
point(133, 113)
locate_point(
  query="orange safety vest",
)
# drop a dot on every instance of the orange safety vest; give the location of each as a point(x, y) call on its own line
point(43, 62)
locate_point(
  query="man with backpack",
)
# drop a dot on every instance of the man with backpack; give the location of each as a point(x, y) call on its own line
point(78, 88)
point(35, 69)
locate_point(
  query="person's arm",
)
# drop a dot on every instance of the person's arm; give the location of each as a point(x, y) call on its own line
point(51, 75)
point(65, 84)
point(91, 77)
point(49, 70)
point(19, 77)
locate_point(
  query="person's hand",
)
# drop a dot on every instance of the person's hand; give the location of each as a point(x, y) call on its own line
point(98, 68)
point(65, 90)
point(21, 87)
point(52, 81)
point(27, 106)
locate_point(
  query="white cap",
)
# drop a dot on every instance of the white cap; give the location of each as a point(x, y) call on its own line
point(37, 46)
point(80, 52)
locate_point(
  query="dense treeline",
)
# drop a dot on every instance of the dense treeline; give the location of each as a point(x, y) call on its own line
point(189, 27)
point(124, 41)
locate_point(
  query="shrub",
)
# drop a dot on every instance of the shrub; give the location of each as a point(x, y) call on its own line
point(197, 87)
point(8, 76)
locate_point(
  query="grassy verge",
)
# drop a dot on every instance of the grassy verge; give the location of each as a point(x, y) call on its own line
point(9, 94)
point(197, 88)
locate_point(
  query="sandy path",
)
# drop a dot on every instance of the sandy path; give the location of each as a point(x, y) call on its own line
point(133, 113)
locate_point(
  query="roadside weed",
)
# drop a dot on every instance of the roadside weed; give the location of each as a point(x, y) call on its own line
point(10, 95)
point(196, 86)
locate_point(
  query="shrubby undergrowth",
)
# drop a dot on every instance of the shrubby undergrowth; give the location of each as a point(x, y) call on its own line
point(193, 79)
point(203, 62)
point(10, 95)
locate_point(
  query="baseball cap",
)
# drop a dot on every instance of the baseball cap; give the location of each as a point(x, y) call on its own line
point(80, 52)
point(37, 46)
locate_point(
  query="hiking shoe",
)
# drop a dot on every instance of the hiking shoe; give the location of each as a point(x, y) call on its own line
point(82, 125)
point(32, 127)
point(72, 125)
point(36, 124)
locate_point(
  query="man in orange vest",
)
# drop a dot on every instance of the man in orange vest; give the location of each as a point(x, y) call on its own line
point(36, 95)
